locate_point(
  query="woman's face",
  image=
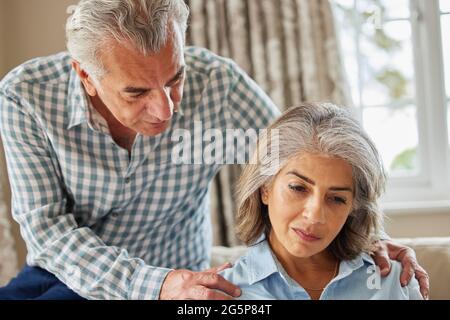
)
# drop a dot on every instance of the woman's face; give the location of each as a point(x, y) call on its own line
point(309, 202)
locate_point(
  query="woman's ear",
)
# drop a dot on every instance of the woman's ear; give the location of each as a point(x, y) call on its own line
point(264, 195)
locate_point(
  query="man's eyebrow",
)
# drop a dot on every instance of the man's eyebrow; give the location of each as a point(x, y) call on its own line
point(310, 181)
point(135, 90)
point(142, 90)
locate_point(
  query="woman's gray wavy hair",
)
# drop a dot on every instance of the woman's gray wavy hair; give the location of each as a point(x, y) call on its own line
point(143, 23)
point(326, 129)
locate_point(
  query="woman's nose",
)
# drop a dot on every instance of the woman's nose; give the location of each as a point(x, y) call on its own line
point(314, 211)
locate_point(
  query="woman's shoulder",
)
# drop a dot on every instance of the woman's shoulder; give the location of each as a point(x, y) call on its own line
point(240, 271)
point(389, 287)
point(412, 290)
point(252, 272)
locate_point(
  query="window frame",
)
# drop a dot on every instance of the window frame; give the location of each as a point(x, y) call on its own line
point(430, 188)
point(432, 185)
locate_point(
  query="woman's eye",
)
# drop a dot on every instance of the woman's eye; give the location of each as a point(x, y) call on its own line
point(339, 200)
point(297, 188)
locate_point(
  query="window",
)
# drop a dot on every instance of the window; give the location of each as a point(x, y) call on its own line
point(394, 60)
point(445, 27)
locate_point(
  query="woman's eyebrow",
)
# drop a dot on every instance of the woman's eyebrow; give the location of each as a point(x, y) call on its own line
point(312, 182)
point(295, 173)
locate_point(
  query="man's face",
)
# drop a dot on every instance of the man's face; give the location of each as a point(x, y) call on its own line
point(142, 92)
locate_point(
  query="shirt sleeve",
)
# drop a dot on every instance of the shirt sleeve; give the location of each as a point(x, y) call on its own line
point(55, 242)
point(248, 106)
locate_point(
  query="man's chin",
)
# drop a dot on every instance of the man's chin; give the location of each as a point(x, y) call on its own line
point(150, 129)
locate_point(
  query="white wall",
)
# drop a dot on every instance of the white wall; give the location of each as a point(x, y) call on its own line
point(2, 40)
point(33, 28)
point(422, 224)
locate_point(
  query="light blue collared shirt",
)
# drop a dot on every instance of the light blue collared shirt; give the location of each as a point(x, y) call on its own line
point(261, 276)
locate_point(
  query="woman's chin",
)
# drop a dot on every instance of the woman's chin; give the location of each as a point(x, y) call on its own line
point(305, 250)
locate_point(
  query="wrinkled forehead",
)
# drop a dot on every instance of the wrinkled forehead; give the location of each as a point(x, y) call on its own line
point(124, 58)
point(131, 68)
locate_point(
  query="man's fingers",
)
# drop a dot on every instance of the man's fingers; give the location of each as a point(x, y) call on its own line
point(216, 281)
point(382, 260)
point(424, 282)
point(219, 268)
point(408, 268)
point(223, 267)
point(204, 293)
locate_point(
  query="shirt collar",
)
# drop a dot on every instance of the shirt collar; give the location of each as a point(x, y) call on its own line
point(348, 266)
point(77, 100)
point(262, 263)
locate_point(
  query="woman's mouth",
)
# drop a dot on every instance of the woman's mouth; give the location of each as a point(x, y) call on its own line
point(302, 234)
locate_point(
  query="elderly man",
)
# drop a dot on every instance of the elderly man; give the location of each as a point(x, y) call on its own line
point(104, 210)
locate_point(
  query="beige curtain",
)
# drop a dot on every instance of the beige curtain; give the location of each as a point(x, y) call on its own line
point(8, 256)
point(289, 47)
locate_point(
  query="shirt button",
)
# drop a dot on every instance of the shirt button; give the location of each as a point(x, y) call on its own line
point(114, 214)
point(127, 180)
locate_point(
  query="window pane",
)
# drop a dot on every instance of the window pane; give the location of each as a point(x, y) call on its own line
point(388, 71)
point(395, 134)
point(446, 46)
point(448, 120)
point(347, 19)
point(384, 9)
point(396, 9)
point(445, 5)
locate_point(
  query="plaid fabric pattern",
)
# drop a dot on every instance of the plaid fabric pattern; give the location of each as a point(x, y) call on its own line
point(110, 225)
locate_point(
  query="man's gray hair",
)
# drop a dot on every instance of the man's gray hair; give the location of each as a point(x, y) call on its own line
point(321, 128)
point(143, 23)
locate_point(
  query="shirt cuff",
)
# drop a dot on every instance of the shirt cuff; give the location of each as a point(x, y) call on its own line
point(147, 282)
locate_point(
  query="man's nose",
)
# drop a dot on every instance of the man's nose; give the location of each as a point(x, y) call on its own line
point(314, 211)
point(162, 105)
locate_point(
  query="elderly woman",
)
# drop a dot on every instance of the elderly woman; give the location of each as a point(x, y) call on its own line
point(312, 223)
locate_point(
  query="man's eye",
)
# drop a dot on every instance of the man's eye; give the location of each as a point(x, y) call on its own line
point(174, 83)
point(138, 95)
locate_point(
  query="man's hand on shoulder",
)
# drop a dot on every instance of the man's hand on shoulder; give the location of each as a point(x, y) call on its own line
point(406, 256)
point(206, 285)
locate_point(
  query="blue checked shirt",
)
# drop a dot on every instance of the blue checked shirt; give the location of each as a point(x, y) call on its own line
point(110, 225)
point(261, 276)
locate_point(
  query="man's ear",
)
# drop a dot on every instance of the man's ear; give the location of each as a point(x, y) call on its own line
point(264, 195)
point(85, 79)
